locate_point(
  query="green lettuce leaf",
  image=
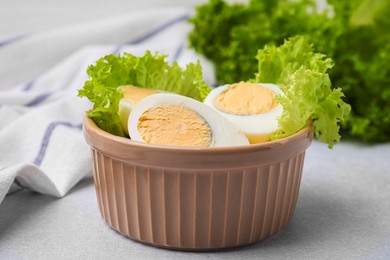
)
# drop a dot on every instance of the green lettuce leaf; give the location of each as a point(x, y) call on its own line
point(308, 95)
point(149, 71)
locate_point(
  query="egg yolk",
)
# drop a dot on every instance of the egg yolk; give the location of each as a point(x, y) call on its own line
point(134, 94)
point(174, 125)
point(246, 99)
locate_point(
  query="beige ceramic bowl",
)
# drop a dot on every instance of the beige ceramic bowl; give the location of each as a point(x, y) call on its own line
point(196, 199)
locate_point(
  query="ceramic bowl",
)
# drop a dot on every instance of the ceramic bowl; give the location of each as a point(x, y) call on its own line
point(196, 198)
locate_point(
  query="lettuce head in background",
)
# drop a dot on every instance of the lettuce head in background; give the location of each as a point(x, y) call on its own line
point(354, 34)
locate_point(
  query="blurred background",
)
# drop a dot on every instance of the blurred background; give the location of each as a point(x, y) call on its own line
point(359, 50)
point(19, 17)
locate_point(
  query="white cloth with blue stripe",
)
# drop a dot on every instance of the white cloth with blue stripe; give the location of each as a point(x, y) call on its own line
point(41, 142)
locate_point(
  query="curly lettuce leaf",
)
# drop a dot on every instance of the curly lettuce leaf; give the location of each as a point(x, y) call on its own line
point(105, 106)
point(302, 75)
point(276, 64)
point(149, 71)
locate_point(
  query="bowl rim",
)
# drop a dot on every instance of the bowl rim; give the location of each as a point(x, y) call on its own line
point(89, 127)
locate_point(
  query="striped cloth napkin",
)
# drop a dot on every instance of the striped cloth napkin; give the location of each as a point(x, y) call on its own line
point(41, 143)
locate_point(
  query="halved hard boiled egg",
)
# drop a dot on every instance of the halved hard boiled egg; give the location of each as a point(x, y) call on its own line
point(171, 119)
point(131, 96)
point(250, 106)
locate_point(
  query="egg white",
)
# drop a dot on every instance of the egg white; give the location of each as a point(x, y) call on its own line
point(259, 127)
point(124, 110)
point(224, 133)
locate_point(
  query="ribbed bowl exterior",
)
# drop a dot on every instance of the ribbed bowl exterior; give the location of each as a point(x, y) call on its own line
point(208, 205)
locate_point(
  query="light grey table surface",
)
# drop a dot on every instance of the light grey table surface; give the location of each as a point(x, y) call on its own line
point(342, 213)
